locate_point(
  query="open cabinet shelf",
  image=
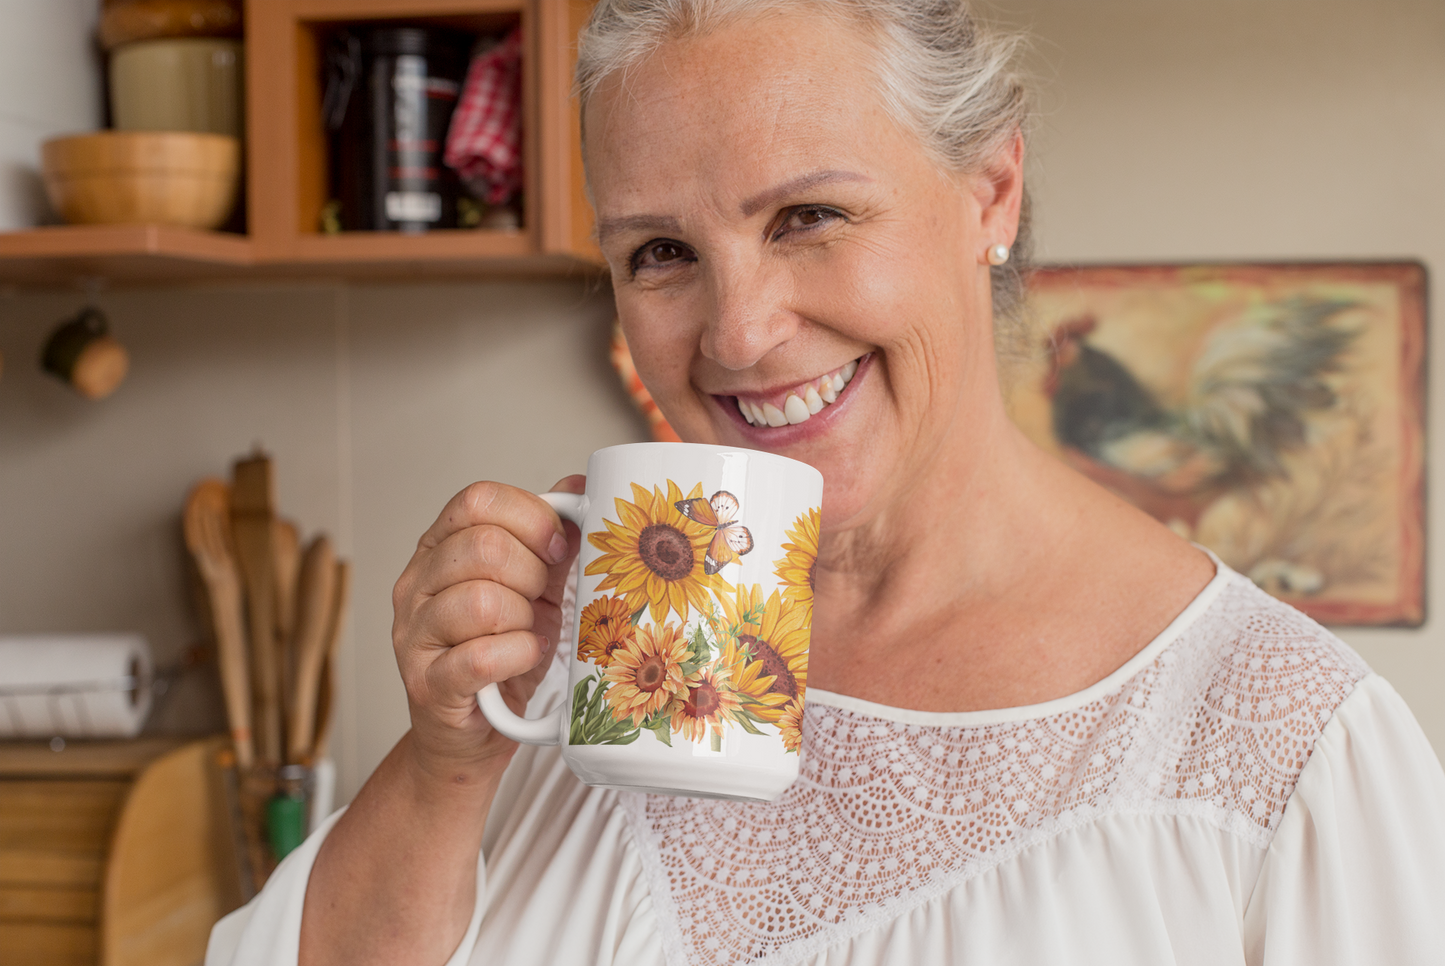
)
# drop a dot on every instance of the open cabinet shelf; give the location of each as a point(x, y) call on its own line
point(286, 180)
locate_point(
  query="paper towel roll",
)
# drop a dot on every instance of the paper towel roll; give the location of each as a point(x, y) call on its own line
point(74, 685)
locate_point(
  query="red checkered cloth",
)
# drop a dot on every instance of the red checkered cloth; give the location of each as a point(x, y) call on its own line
point(484, 143)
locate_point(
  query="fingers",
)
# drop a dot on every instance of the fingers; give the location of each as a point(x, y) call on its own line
point(525, 515)
point(473, 609)
point(464, 670)
point(576, 483)
point(485, 552)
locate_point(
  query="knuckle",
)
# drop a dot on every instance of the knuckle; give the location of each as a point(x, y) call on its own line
point(493, 545)
point(479, 498)
point(486, 604)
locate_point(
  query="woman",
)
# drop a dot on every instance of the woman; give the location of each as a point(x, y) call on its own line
point(1041, 728)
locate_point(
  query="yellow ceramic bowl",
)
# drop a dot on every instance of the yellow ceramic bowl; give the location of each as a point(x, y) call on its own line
point(143, 177)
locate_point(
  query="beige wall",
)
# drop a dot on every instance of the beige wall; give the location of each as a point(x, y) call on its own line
point(377, 405)
point(1244, 129)
point(49, 85)
point(1169, 130)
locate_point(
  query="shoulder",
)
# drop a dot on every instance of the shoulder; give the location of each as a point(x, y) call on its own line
point(1253, 660)
point(1241, 698)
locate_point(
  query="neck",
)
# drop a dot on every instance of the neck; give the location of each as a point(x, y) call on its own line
point(969, 524)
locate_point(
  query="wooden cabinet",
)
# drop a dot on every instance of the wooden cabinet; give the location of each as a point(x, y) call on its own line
point(112, 852)
point(286, 169)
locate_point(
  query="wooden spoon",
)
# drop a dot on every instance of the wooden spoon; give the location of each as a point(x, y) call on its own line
point(313, 626)
point(251, 523)
point(208, 538)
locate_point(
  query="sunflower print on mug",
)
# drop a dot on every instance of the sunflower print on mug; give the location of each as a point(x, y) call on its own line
point(766, 643)
point(708, 704)
point(654, 557)
point(645, 674)
point(799, 566)
point(603, 626)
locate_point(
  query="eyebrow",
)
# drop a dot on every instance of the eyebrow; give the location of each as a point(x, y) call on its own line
point(764, 199)
point(643, 223)
point(749, 207)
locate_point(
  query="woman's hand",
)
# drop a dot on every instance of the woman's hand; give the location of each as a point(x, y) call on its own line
point(480, 603)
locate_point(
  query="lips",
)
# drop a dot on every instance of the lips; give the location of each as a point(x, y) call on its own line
point(799, 403)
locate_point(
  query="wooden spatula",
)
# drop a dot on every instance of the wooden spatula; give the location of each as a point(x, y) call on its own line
point(208, 538)
point(326, 692)
point(286, 565)
point(313, 627)
point(252, 519)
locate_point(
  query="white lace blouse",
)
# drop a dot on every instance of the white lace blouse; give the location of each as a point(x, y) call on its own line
point(1243, 791)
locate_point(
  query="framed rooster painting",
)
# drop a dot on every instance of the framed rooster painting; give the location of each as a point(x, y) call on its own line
point(1272, 413)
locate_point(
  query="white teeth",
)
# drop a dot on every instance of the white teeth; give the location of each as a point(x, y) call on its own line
point(799, 408)
point(813, 401)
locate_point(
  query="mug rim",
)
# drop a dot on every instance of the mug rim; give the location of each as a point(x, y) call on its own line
point(712, 449)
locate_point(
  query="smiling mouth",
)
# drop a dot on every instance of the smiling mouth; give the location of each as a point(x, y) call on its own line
point(799, 403)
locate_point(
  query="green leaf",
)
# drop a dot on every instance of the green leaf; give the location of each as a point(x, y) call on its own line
point(659, 726)
point(746, 720)
point(637, 617)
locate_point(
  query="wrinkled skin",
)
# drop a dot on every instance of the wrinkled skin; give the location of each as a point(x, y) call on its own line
point(766, 222)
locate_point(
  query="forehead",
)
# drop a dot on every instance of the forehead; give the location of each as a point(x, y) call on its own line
point(748, 104)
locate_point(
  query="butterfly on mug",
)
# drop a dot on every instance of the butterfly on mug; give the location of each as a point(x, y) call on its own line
point(730, 540)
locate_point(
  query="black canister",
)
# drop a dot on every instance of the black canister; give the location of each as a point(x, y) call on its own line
point(390, 93)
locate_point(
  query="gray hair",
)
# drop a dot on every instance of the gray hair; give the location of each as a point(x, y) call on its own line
point(943, 74)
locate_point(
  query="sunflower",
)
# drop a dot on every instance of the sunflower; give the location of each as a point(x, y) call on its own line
point(766, 644)
point(605, 625)
point(800, 563)
point(790, 723)
point(646, 672)
point(708, 701)
point(654, 557)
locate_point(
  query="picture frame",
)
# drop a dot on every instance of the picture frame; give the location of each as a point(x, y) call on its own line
point(1272, 413)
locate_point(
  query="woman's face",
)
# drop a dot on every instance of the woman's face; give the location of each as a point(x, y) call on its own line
point(783, 252)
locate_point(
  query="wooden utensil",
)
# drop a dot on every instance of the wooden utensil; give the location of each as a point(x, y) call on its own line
point(252, 521)
point(208, 537)
point(286, 544)
point(313, 630)
point(325, 693)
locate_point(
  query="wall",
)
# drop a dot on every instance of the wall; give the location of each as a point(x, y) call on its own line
point(49, 85)
point(377, 405)
point(1170, 130)
point(1241, 129)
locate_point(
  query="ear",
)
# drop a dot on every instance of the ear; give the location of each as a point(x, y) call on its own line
point(999, 189)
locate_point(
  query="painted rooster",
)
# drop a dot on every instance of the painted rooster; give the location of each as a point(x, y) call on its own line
point(1250, 391)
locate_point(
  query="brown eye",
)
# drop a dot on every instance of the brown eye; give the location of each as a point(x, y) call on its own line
point(807, 219)
point(661, 254)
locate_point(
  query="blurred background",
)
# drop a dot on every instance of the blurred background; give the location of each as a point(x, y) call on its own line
point(1168, 131)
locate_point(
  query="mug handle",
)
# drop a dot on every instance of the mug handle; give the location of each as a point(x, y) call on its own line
point(546, 730)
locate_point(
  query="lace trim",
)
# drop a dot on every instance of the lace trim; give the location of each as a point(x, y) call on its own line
point(888, 815)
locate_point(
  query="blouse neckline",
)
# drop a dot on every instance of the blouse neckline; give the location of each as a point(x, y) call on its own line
point(1116, 679)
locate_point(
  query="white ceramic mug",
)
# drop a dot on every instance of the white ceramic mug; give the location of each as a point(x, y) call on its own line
point(689, 650)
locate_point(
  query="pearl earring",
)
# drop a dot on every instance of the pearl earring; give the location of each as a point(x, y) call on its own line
point(997, 254)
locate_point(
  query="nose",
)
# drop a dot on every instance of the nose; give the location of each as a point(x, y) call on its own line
point(749, 315)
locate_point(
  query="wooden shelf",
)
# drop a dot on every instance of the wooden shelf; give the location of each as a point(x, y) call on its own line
point(68, 254)
point(286, 165)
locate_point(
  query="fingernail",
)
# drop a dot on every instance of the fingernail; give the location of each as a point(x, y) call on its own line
point(557, 549)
